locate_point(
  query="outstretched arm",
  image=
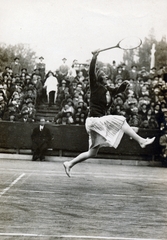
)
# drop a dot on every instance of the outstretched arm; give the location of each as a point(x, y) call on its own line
point(92, 74)
point(119, 89)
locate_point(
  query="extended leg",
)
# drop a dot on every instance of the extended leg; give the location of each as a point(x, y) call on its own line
point(80, 158)
point(142, 141)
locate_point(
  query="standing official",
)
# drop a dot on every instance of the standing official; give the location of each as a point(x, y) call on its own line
point(41, 138)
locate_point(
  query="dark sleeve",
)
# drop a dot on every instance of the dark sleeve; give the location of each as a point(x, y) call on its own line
point(92, 75)
point(34, 134)
point(48, 135)
point(120, 89)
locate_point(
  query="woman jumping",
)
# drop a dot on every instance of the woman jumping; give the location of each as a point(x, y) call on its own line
point(103, 130)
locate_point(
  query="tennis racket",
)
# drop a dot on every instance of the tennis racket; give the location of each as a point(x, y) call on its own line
point(127, 43)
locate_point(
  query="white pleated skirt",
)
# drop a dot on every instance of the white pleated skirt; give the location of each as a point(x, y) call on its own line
point(105, 131)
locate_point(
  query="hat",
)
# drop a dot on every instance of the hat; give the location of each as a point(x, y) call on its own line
point(41, 57)
point(133, 66)
point(16, 58)
point(81, 101)
point(1, 99)
point(24, 69)
point(63, 81)
point(64, 58)
point(69, 100)
point(118, 77)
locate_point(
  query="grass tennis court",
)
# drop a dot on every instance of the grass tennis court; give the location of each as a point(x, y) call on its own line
point(99, 201)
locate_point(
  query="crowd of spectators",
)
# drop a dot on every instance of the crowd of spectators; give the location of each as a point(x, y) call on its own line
point(144, 104)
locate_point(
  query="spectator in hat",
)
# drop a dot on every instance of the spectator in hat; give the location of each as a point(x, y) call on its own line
point(41, 137)
point(72, 87)
point(143, 73)
point(159, 115)
point(133, 73)
point(163, 144)
point(10, 111)
point(134, 120)
point(63, 89)
point(72, 73)
point(125, 72)
point(51, 85)
point(16, 66)
point(143, 110)
point(118, 74)
point(24, 115)
point(41, 67)
point(69, 117)
point(63, 70)
point(80, 77)
point(153, 73)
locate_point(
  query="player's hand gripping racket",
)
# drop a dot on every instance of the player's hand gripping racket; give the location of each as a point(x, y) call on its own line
point(127, 43)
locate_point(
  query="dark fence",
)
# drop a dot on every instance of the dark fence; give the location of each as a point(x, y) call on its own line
point(69, 140)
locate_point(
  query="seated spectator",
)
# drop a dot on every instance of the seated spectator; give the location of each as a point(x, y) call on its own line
point(118, 81)
point(85, 85)
point(71, 105)
point(82, 104)
point(62, 113)
point(72, 87)
point(69, 117)
point(159, 116)
point(143, 73)
point(133, 73)
point(63, 89)
point(144, 124)
point(83, 118)
point(143, 110)
point(2, 105)
point(152, 123)
point(119, 99)
point(80, 77)
point(153, 73)
point(134, 118)
point(87, 97)
point(144, 91)
point(31, 111)
point(77, 119)
point(10, 111)
point(163, 144)
point(135, 87)
point(129, 104)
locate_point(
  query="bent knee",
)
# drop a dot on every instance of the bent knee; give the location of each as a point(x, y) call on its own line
point(93, 152)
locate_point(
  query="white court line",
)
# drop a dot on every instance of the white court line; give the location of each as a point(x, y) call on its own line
point(12, 184)
point(74, 236)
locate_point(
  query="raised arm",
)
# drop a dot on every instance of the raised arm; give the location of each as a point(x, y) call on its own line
point(92, 68)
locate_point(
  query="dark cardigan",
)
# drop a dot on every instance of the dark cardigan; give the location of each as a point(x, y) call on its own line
point(98, 102)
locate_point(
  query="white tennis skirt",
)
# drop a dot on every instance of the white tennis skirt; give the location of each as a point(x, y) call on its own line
point(105, 131)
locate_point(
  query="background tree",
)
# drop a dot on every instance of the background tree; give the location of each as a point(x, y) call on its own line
point(9, 52)
point(161, 53)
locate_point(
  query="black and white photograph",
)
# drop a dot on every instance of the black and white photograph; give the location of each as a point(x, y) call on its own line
point(83, 120)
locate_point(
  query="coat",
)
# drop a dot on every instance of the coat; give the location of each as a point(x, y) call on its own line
point(40, 137)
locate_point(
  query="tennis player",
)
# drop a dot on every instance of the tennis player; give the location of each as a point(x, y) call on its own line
point(103, 130)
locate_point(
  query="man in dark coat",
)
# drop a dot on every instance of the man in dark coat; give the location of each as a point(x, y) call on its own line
point(41, 137)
